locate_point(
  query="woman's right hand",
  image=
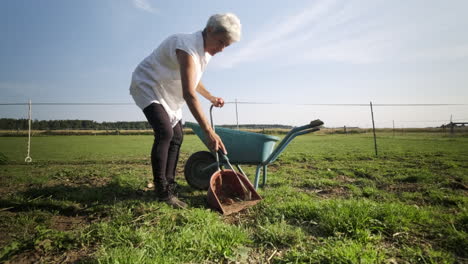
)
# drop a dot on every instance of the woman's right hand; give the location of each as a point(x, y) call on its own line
point(215, 143)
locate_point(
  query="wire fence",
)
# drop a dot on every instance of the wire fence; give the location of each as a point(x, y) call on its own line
point(397, 119)
point(338, 116)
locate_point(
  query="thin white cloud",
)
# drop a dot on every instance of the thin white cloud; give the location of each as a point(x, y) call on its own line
point(144, 5)
point(346, 32)
point(450, 53)
point(14, 91)
point(270, 41)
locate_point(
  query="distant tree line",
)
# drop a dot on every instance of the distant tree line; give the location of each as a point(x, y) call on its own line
point(22, 124)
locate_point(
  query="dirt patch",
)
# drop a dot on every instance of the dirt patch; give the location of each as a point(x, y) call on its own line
point(26, 257)
point(306, 166)
point(67, 223)
point(329, 192)
point(274, 167)
point(81, 181)
point(57, 222)
point(71, 256)
point(245, 218)
point(7, 189)
point(268, 255)
point(5, 232)
point(399, 188)
point(455, 185)
point(234, 219)
point(344, 179)
point(334, 192)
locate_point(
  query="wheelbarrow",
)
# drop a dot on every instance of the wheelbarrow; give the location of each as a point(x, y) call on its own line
point(243, 147)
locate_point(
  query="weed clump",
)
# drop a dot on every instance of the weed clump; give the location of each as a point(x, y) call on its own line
point(279, 235)
point(167, 236)
point(354, 218)
point(332, 250)
point(3, 159)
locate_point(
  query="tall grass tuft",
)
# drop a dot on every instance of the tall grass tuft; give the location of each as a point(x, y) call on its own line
point(3, 159)
point(168, 236)
point(359, 219)
point(337, 251)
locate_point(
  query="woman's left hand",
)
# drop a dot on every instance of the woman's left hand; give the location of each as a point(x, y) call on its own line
point(217, 101)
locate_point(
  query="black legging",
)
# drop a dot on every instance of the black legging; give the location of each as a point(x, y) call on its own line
point(166, 147)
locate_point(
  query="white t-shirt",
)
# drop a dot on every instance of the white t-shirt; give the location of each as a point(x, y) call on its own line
point(157, 78)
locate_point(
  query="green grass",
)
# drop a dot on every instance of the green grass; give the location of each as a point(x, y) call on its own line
point(328, 199)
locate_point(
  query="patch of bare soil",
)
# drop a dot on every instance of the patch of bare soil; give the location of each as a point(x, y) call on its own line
point(244, 217)
point(344, 179)
point(455, 185)
point(33, 256)
point(25, 257)
point(5, 232)
point(268, 255)
point(400, 188)
point(306, 166)
point(274, 167)
point(58, 222)
point(329, 192)
point(7, 189)
point(82, 181)
point(334, 192)
point(233, 219)
point(67, 223)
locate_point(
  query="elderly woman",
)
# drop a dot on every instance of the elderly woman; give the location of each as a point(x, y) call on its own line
point(168, 78)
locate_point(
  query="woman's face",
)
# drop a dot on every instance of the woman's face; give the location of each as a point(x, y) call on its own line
point(216, 42)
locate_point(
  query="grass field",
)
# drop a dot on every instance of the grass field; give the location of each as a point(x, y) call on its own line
point(328, 200)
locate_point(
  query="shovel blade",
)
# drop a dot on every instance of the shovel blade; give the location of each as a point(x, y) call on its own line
point(231, 192)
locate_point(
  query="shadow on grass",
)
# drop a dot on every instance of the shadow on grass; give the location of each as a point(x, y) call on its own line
point(80, 200)
point(70, 200)
point(195, 198)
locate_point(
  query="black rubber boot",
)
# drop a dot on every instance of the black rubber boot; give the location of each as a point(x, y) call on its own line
point(175, 203)
point(168, 196)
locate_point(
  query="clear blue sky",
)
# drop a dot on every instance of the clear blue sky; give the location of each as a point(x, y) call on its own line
point(291, 52)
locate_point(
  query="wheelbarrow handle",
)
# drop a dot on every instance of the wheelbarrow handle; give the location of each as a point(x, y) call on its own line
point(297, 131)
point(307, 131)
point(211, 116)
point(316, 123)
point(219, 152)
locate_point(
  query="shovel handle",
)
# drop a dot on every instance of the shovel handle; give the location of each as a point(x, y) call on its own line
point(221, 153)
point(211, 116)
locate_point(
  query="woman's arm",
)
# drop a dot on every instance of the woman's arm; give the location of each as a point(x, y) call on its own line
point(202, 90)
point(216, 101)
point(187, 75)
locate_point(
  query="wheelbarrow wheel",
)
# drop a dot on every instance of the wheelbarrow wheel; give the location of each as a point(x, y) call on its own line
point(194, 171)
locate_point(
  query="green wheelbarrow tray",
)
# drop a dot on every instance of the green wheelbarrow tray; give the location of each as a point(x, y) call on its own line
point(243, 148)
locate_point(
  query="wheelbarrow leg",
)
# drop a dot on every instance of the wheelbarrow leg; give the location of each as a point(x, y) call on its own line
point(264, 175)
point(257, 176)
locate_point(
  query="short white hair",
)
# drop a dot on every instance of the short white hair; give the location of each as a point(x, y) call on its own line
point(225, 23)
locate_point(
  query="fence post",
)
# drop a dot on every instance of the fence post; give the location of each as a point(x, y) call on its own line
point(451, 125)
point(373, 129)
point(28, 158)
point(237, 116)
